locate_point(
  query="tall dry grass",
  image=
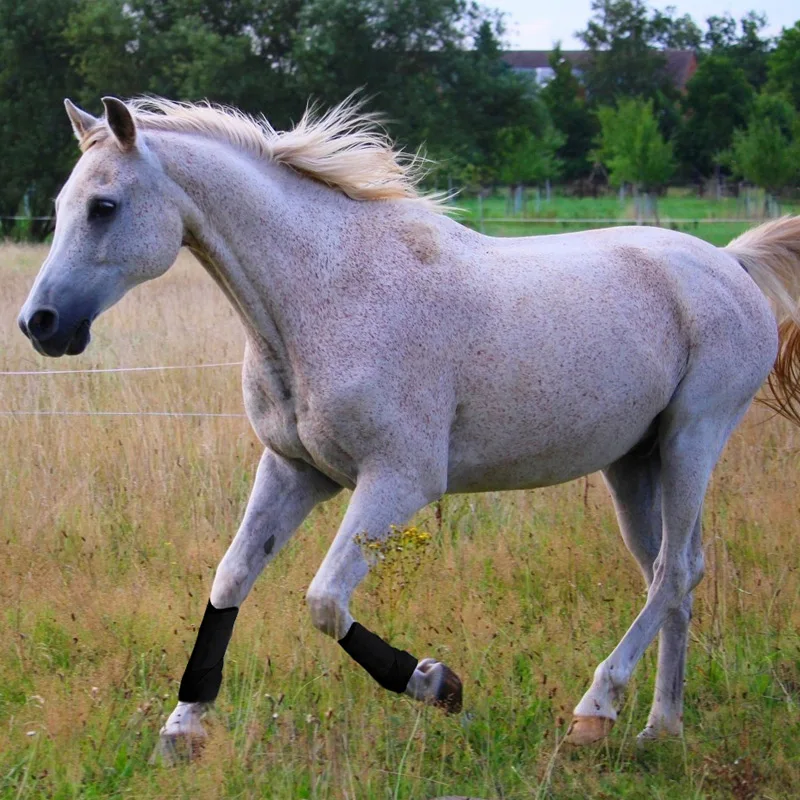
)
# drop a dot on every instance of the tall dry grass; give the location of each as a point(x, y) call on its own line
point(111, 529)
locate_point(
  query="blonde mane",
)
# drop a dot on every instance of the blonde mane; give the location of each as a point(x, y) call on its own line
point(344, 148)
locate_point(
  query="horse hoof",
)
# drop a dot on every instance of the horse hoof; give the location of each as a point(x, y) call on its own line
point(436, 684)
point(178, 748)
point(655, 733)
point(450, 696)
point(588, 730)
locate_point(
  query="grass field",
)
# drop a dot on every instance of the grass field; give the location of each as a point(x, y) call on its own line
point(111, 528)
point(681, 210)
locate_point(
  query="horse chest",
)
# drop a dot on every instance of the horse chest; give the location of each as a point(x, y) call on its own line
point(271, 406)
point(280, 419)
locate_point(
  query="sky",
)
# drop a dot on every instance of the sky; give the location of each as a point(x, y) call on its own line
point(532, 28)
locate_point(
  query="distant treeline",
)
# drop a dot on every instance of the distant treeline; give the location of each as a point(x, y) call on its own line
point(433, 67)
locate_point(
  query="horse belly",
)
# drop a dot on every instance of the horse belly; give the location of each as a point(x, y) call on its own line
point(521, 461)
point(525, 433)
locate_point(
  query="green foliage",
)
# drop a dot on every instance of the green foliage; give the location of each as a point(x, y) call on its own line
point(231, 53)
point(433, 68)
point(565, 100)
point(622, 36)
point(767, 153)
point(748, 50)
point(784, 65)
point(718, 100)
point(479, 98)
point(631, 146)
point(526, 158)
point(34, 78)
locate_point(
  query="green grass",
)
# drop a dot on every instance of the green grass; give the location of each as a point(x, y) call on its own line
point(676, 205)
point(717, 233)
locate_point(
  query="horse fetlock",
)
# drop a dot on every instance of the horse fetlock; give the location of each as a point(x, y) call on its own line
point(595, 715)
point(661, 727)
point(436, 684)
point(604, 694)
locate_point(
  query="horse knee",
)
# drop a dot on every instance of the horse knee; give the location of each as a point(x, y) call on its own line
point(229, 582)
point(328, 613)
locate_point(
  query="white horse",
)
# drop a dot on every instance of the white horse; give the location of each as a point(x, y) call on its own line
point(394, 352)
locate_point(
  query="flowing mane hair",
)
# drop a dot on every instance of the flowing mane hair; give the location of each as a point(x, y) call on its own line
point(345, 147)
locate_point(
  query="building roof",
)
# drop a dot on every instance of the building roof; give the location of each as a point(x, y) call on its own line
point(681, 64)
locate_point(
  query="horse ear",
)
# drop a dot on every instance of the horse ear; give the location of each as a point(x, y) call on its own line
point(120, 120)
point(82, 122)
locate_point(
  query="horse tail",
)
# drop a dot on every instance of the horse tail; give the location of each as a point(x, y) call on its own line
point(770, 254)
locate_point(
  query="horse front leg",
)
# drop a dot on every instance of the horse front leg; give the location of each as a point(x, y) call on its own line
point(381, 500)
point(283, 494)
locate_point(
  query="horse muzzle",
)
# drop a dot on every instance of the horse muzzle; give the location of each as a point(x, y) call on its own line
point(54, 335)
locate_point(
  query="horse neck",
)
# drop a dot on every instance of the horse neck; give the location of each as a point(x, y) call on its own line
point(263, 232)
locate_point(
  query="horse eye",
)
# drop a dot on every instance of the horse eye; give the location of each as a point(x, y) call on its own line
point(101, 209)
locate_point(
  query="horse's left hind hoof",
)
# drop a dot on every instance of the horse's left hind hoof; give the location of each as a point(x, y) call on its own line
point(588, 730)
point(436, 684)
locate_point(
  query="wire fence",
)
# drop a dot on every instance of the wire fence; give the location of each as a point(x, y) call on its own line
point(118, 369)
point(107, 370)
point(53, 413)
point(614, 220)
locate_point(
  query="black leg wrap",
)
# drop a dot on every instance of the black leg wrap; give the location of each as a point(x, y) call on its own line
point(203, 675)
point(392, 668)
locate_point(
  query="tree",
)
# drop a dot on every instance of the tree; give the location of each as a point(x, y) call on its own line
point(622, 36)
point(748, 50)
point(413, 59)
point(178, 48)
point(718, 100)
point(565, 100)
point(632, 148)
point(767, 153)
point(526, 159)
point(35, 76)
point(784, 65)
point(678, 33)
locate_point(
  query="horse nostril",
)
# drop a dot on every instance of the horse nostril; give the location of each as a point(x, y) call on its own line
point(23, 327)
point(43, 324)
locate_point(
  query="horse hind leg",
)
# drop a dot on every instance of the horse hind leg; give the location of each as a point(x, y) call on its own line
point(689, 446)
point(634, 483)
point(378, 503)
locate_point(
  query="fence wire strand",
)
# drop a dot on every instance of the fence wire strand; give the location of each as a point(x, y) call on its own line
point(54, 413)
point(49, 413)
point(118, 369)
